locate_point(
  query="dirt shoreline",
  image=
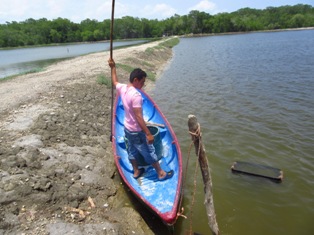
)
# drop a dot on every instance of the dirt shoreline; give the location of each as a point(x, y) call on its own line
point(56, 166)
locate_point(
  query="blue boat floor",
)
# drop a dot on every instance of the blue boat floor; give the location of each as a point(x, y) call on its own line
point(150, 175)
point(160, 194)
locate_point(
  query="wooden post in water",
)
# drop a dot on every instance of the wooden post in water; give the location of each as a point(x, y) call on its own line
point(194, 129)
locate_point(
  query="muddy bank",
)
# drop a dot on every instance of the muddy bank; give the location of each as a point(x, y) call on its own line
point(56, 165)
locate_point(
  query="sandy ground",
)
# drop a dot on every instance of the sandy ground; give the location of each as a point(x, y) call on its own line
point(56, 164)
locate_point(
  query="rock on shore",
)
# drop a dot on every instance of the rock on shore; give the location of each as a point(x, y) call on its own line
point(56, 165)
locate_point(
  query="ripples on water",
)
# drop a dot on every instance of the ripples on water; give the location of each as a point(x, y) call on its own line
point(253, 96)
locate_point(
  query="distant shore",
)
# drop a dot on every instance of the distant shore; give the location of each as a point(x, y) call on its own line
point(248, 32)
point(150, 39)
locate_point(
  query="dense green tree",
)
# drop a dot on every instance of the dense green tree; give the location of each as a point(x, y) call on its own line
point(60, 30)
point(246, 19)
point(147, 28)
point(87, 36)
point(130, 27)
point(296, 21)
point(196, 21)
point(105, 26)
point(55, 36)
point(62, 27)
point(156, 28)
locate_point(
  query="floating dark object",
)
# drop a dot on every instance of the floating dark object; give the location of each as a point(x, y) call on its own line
point(257, 170)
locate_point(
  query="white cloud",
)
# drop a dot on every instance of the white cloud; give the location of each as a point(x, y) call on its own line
point(55, 8)
point(76, 11)
point(14, 7)
point(158, 11)
point(204, 5)
point(98, 10)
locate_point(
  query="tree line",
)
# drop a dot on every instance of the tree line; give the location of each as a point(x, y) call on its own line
point(42, 32)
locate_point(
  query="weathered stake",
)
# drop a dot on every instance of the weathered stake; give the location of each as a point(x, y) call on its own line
point(194, 129)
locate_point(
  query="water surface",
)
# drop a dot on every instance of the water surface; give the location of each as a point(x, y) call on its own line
point(253, 96)
point(22, 60)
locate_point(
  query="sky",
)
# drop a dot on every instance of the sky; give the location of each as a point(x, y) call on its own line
point(78, 10)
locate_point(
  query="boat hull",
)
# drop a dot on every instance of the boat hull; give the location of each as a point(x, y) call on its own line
point(161, 197)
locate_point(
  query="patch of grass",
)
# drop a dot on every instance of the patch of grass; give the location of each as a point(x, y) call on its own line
point(170, 43)
point(151, 76)
point(129, 69)
point(132, 60)
point(149, 51)
point(34, 71)
point(125, 67)
point(24, 73)
point(141, 63)
point(145, 63)
point(102, 79)
point(6, 78)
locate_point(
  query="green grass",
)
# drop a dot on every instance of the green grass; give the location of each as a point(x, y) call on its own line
point(133, 60)
point(151, 76)
point(145, 63)
point(102, 79)
point(24, 73)
point(125, 67)
point(150, 51)
point(170, 43)
point(34, 71)
point(129, 69)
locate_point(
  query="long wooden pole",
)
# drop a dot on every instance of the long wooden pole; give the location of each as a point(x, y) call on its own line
point(111, 52)
point(194, 129)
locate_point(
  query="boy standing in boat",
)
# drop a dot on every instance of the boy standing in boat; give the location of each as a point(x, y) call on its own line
point(140, 140)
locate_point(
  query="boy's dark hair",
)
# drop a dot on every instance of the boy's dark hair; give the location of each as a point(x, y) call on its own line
point(137, 73)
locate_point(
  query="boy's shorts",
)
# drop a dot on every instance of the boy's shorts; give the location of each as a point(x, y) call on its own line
point(137, 144)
